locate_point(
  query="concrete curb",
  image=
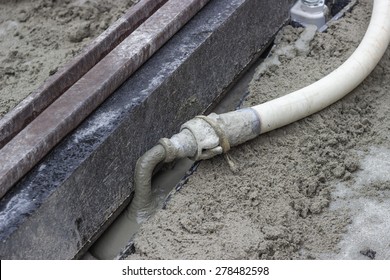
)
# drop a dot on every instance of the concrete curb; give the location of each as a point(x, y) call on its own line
point(66, 201)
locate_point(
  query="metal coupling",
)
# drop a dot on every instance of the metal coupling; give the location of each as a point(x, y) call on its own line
point(204, 137)
point(209, 135)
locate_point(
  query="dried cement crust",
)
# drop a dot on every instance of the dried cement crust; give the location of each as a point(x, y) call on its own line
point(298, 192)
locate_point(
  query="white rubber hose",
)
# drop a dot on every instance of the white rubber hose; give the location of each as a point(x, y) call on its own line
point(315, 97)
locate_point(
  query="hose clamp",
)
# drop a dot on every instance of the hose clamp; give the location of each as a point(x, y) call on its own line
point(210, 137)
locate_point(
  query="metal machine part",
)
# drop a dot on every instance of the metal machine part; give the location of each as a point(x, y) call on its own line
point(310, 12)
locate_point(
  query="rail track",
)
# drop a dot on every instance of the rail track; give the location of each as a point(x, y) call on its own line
point(40, 121)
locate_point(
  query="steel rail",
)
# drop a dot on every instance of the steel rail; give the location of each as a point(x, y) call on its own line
point(32, 143)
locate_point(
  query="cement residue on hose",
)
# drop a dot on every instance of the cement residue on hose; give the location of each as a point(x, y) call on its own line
point(288, 198)
point(37, 37)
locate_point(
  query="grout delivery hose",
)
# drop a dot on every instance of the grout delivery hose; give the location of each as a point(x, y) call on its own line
point(206, 136)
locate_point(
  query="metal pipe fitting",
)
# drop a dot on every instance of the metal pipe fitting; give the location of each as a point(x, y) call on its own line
point(312, 2)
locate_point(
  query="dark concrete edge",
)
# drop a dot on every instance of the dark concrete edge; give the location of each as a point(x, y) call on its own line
point(92, 146)
point(209, 109)
point(27, 110)
point(104, 226)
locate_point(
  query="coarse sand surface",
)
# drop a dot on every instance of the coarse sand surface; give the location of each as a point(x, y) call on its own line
point(37, 37)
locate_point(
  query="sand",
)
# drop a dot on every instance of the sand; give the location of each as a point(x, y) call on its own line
point(316, 189)
point(37, 37)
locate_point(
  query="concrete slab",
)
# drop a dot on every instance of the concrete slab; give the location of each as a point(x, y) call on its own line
point(65, 202)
